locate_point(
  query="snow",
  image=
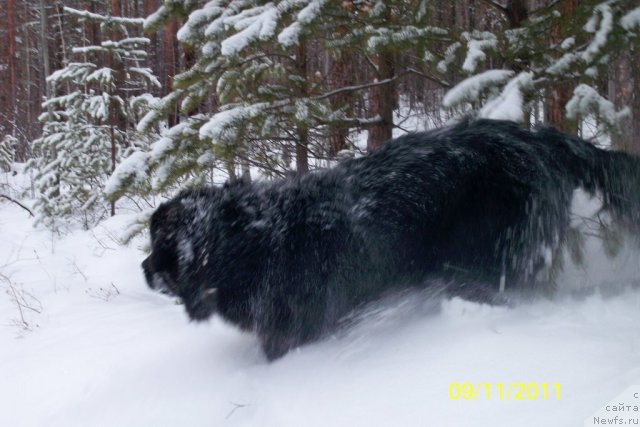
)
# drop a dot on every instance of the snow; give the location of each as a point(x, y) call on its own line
point(568, 43)
point(587, 100)
point(509, 105)
point(449, 58)
point(563, 64)
point(257, 23)
point(477, 43)
point(223, 120)
point(106, 351)
point(631, 20)
point(470, 89)
point(290, 35)
point(601, 34)
point(101, 18)
point(132, 168)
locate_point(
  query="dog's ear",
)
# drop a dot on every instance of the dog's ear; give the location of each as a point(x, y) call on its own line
point(165, 218)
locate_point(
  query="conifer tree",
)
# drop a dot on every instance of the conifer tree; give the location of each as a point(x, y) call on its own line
point(551, 60)
point(253, 93)
point(7, 152)
point(89, 124)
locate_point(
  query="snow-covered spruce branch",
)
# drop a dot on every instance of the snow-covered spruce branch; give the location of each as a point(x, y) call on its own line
point(104, 19)
point(353, 122)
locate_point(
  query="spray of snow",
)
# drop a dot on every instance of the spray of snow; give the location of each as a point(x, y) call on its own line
point(96, 347)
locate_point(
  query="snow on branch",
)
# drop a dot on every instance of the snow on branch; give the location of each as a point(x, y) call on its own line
point(604, 17)
point(147, 74)
point(470, 89)
point(131, 172)
point(291, 34)
point(258, 23)
point(198, 19)
point(586, 100)
point(72, 71)
point(631, 21)
point(477, 43)
point(102, 18)
point(509, 105)
point(225, 119)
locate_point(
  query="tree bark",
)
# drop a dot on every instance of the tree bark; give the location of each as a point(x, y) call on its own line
point(11, 64)
point(383, 102)
point(559, 94)
point(170, 62)
point(342, 75)
point(624, 90)
point(302, 144)
point(384, 97)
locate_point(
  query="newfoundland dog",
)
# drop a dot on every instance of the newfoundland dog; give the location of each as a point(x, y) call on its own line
point(483, 206)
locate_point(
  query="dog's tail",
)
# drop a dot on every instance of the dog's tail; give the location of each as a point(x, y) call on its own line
point(620, 188)
point(612, 175)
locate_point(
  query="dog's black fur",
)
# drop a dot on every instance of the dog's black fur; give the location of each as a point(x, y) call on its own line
point(477, 205)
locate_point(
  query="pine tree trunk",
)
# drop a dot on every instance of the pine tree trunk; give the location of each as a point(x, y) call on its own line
point(342, 75)
point(302, 152)
point(114, 122)
point(559, 94)
point(170, 62)
point(624, 90)
point(302, 144)
point(383, 102)
point(11, 82)
point(23, 152)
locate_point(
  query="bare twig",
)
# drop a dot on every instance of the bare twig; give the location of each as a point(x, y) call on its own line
point(104, 294)
point(24, 301)
point(115, 288)
point(356, 88)
point(73, 263)
point(105, 247)
point(11, 199)
point(236, 406)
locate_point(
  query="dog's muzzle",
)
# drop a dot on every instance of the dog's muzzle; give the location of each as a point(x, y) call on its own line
point(158, 281)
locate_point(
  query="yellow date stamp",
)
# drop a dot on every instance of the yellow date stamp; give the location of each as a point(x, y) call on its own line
point(514, 390)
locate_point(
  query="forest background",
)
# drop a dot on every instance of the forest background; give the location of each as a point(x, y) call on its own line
point(116, 104)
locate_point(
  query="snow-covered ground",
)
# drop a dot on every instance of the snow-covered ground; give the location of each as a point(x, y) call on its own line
point(83, 342)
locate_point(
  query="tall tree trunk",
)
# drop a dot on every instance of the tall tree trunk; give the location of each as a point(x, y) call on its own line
point(341, 76)
point(624, 90)
point(28, 125)
point(11, 64)
point(559, 94)
point(302, 144)
point(383, 97)
point(44, 51)
point(170, 62)
point(115, 123)
point(383, 101)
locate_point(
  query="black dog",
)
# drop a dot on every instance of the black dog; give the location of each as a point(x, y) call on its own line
point(479, 205)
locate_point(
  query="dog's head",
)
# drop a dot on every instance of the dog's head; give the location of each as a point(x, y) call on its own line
point(161, 266)
point(174, 267)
